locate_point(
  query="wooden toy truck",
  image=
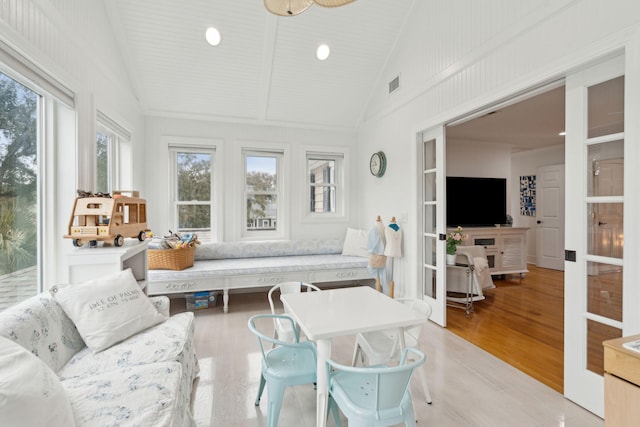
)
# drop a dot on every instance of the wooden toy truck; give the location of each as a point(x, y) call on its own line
point(108, 219)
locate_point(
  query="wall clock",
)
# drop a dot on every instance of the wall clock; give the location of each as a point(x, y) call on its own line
point(378, 164)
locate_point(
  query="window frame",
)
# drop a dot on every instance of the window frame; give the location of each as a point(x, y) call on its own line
point(118, 153)
point(174, 148)
point(43, 158)
point(279, 192)
point(341, 157)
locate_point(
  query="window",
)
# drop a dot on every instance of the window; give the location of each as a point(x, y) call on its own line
point(193, 191)
point(111, 139)
point(19, 196)
point(322, 182)
point(262, 193)
point(325, 186)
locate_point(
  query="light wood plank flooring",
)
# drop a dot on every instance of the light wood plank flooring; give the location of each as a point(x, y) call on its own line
point(521, 322)
point(469, 386)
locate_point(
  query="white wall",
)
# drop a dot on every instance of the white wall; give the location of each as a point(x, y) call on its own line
point(523, 164)
point(228, 139)
point(458, 57)
point(71, 40)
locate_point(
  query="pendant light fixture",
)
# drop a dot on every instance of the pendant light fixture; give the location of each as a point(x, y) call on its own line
point(296, 7)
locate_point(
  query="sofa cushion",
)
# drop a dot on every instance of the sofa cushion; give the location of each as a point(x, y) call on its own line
point(107, 310)
point(142, 395)
point(41, 326)
point(31, 394)
point(171, 340)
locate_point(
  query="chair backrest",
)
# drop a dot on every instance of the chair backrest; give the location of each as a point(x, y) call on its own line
point(289, 288)
point(421, 307)
point(257, 328)
point(389, 385)
point(472, 252)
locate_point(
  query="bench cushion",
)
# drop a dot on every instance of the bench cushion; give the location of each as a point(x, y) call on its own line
point(261, 249)
point(266, 265)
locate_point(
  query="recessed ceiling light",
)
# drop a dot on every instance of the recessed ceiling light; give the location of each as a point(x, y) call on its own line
point(213, 36)
point(323, 52)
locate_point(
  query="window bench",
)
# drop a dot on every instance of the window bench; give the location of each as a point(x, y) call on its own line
point(250, 265)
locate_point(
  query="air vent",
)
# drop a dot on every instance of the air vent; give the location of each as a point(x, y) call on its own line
point(394, 84)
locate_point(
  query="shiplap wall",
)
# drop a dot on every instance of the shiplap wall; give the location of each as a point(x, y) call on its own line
point(456, 57)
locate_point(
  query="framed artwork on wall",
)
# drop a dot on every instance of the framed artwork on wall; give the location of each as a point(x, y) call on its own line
point(528, 195)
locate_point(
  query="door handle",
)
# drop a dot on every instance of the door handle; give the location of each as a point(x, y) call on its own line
point(602, 223)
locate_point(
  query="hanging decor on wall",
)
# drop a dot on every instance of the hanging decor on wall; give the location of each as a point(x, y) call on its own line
point(528, 195)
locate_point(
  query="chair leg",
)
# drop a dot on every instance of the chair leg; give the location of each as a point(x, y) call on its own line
point(260, 389)
point(333, 408)
point(423, 380)
point(275, 391)
point(356, 353)
point(410, 418)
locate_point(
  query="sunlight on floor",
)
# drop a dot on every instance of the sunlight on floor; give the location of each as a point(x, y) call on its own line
point(203, 398)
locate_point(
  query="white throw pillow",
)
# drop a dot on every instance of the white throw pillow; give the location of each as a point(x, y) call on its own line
point(31, 394)
point(107, 310)
point(355, 243)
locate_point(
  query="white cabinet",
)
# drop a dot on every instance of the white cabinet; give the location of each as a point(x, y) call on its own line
point(86, 263)
point(505, 247)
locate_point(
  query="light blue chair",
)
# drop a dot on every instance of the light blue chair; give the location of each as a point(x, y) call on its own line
point(373, 396)
point(384, 347)
point(286, 364)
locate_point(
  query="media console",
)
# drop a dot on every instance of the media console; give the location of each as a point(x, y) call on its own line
point(506, 247)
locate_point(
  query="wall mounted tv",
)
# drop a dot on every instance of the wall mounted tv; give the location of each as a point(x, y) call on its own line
point(476, 202)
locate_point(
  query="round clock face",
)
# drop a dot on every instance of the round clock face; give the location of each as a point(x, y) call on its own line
point(378, 164)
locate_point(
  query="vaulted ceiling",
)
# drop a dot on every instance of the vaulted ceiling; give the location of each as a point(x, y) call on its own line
point(265, 70)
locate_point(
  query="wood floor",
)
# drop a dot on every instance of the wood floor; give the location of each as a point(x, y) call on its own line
point(469, 387)
point(521, 322)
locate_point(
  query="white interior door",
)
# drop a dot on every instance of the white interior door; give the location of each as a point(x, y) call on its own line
point(595, 159)
point(550, 222)
point(431, 249)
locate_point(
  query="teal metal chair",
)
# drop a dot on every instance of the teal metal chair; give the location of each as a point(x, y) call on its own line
point(384, 347)
point(286, 364)
point(374, 396)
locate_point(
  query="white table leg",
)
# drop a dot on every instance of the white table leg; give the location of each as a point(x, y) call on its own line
point(322, 393)
point(225, 300)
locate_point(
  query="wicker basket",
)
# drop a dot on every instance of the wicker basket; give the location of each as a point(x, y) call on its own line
point(171, 259)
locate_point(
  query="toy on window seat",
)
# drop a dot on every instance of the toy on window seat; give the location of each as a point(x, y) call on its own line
point(102, 217)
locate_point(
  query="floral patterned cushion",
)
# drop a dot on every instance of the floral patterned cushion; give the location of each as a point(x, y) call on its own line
point(171, 340)
point(231, 250)
point(40, 325)
point(144, 395)
point(145, 380)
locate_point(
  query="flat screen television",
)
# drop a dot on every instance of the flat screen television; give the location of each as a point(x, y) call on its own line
point(476, 202)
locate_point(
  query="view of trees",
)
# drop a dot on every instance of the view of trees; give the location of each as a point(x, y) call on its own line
point(18, 176)
point(103, 145)
point(194, 185)
point(258, 182)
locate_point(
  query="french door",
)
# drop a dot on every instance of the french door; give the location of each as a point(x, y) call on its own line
point(431, 248)
point(595, 227)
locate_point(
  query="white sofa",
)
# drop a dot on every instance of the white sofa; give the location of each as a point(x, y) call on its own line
point(145, 380)
point(245, 265)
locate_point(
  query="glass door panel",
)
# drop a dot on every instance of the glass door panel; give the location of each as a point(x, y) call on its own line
point(431, 168)
point(595, 156)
